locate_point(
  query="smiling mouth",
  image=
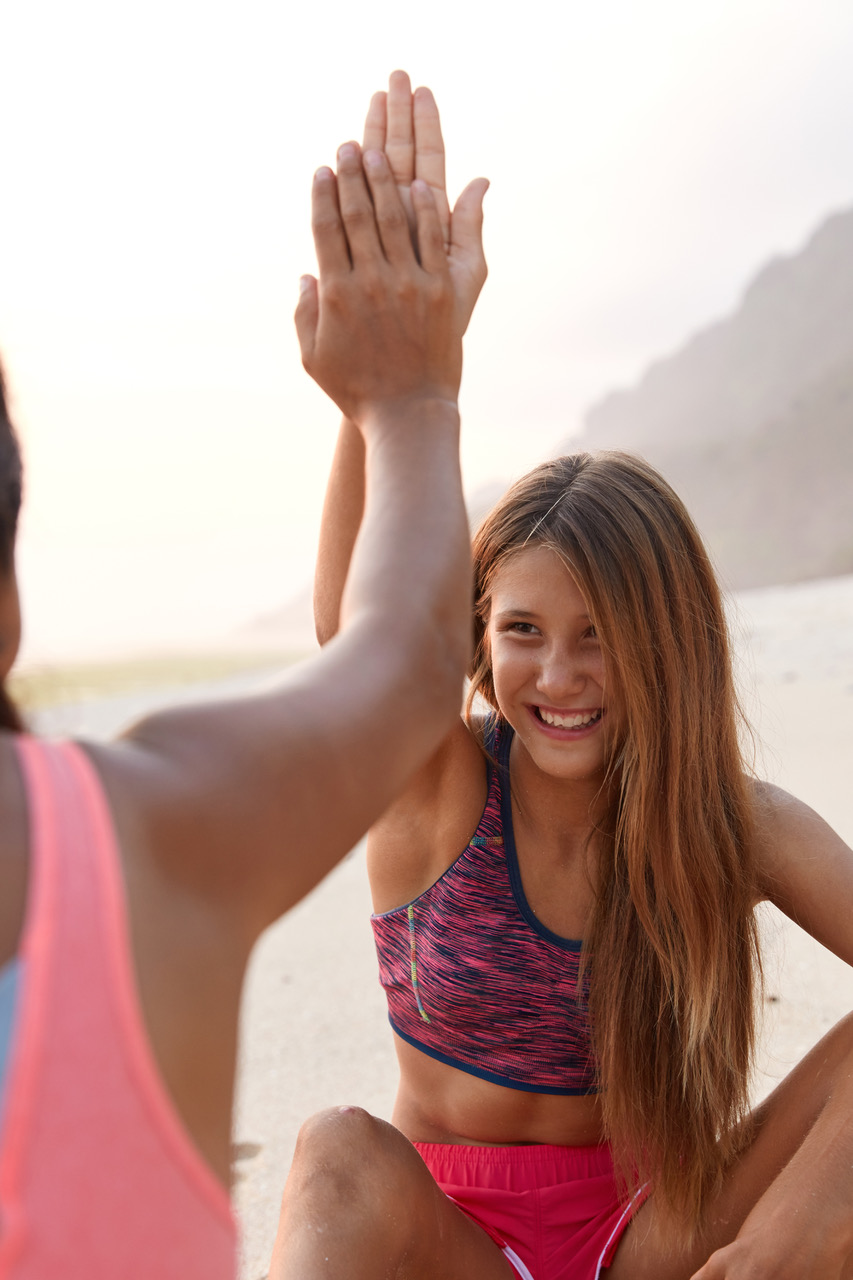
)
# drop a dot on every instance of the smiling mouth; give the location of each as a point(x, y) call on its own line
point(568, 719)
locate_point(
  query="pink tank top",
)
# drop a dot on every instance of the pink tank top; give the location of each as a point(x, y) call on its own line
point(98, 1177)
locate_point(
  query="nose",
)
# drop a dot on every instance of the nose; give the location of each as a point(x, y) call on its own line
point(562, 675)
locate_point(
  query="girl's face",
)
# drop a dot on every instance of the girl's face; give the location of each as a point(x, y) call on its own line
point(548, 665)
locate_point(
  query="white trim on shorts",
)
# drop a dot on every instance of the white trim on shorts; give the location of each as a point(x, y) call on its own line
point(513, 1258)
point(628, 1208)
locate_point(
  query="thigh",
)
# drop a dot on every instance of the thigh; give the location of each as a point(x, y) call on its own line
point(360, 1202)
point(651, 1250)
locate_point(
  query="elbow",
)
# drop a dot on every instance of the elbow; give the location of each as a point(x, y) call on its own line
point(323, 632)
point(326, 618)
point(441, 681)
point(415, 664)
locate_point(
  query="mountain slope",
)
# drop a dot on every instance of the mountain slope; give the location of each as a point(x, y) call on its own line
point(752, 420)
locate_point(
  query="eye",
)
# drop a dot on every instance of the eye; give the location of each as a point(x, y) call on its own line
point(521, 628)
point(591, 633)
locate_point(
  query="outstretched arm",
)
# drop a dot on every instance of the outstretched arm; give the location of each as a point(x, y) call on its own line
point(253, 801)
point(406, 126)
point(227, 814)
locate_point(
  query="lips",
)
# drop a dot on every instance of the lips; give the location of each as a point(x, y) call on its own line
point(563, 719)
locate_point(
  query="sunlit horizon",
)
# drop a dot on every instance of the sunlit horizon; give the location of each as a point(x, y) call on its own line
point(645, 161)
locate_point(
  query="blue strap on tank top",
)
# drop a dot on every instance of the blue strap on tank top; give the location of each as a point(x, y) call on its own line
point(10, 978)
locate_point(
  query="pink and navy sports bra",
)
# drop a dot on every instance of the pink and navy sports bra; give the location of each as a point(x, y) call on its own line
point(474, 980)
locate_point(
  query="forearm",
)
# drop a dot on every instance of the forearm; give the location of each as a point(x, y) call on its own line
point(410, 575)
point(815, 1188)
point(797, 1176)
point(342, 513)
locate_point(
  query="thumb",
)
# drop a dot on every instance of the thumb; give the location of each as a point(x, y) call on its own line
point(466, 223)
point(305, 316)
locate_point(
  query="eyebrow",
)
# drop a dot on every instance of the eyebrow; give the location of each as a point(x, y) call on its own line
point(510, 612)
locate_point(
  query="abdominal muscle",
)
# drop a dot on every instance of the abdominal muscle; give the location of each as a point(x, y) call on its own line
point(438, 1103)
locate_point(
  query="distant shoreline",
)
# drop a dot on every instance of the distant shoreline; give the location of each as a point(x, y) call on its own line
point(816, 640)
point(38, 686)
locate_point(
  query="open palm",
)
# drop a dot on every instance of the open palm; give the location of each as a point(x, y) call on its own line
point(406, 126)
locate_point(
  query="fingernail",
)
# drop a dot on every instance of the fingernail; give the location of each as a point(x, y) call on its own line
point(304, 284)
point(346, 152)
point(373, 159)
point(323, 173)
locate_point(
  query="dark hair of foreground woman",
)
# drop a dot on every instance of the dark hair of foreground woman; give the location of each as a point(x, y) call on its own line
point(11, 477)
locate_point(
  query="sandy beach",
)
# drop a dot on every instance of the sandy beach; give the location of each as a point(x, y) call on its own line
point(315, 1029)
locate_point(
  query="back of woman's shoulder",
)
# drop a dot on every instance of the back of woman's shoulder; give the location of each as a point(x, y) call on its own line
point(14, 849)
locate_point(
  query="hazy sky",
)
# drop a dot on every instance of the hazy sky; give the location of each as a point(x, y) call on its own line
point(646, 157)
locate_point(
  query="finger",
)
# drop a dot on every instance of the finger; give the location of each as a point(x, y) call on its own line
point(305, 317)
point(466, 257)
point(391, 220)
point(400, 134)
point(466, 224)
point(330, 242)
point(376, 122)
point(430, 239)
point(429, 151)
point(713, 1269)
point(356, 206)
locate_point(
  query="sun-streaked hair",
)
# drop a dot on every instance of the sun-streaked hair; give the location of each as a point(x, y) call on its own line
point(672, 945)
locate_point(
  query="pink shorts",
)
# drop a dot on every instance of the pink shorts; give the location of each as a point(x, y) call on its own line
point(554, 1211)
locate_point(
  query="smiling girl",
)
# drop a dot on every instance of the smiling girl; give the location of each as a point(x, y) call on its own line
point(564, 903)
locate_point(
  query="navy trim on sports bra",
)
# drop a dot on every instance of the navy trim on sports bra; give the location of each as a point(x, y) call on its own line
point(493, 1077)
point(474, 980)
point(568, 944)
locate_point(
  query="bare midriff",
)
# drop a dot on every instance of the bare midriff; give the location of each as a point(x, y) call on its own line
point(438, 1103)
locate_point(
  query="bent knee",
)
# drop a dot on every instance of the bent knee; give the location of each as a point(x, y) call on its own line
point(349, 1147)
point(340, 1133)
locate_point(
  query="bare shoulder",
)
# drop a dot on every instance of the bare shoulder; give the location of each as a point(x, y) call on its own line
point(14, 842)
point(773, 811)
point(247, 803)
point(205, 803)
point(431, 822)
point(788, 830)
point(805, 867)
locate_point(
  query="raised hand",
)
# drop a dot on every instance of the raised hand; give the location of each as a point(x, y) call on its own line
point(406, 126)
point(379, 327)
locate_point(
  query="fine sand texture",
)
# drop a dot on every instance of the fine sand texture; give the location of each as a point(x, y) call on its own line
point(315, 1030)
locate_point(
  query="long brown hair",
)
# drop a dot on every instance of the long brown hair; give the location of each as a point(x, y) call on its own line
point(11, 477)
point(672, 944)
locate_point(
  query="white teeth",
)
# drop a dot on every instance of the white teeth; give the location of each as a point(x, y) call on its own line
point(569, 721)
